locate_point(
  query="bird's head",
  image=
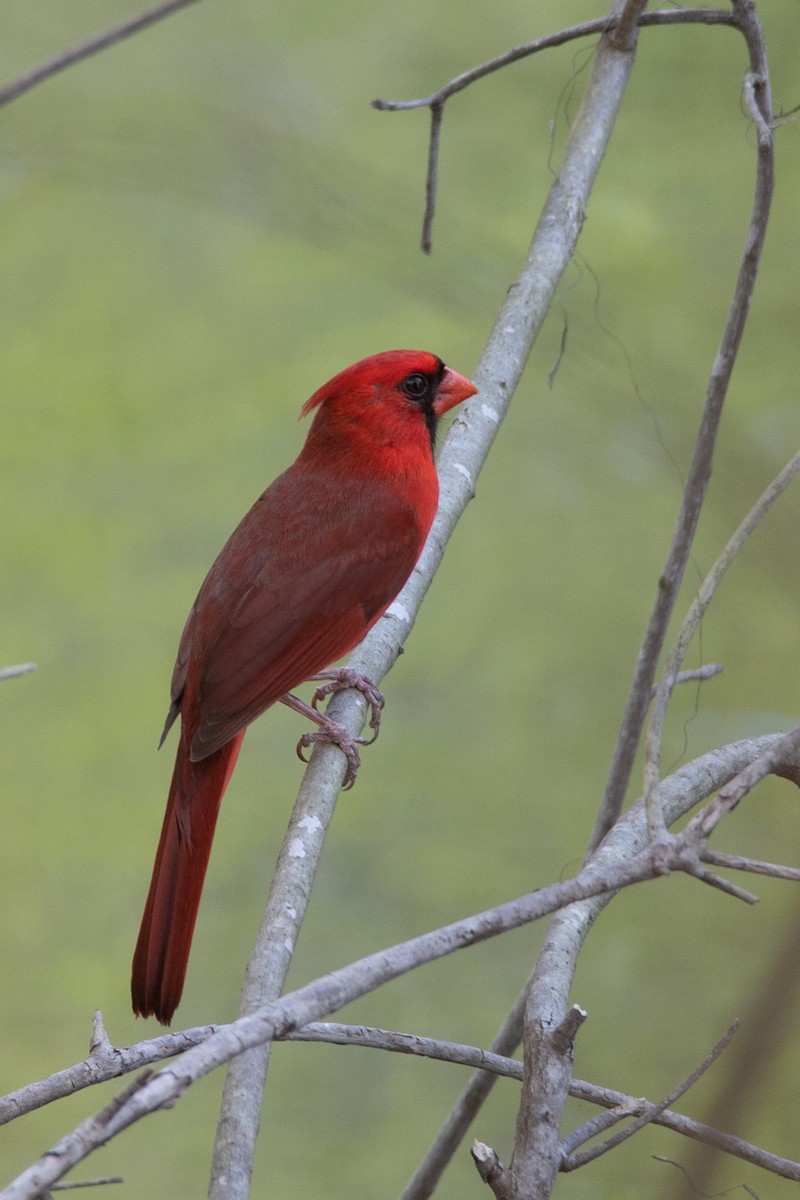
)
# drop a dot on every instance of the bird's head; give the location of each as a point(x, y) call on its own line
point(395, 396)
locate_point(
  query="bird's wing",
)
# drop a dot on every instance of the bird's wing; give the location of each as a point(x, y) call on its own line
point(297, 585)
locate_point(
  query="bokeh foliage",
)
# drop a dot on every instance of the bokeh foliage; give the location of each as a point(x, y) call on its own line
point(199, 227)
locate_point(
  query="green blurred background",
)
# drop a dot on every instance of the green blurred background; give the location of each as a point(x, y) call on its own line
point(198, 227)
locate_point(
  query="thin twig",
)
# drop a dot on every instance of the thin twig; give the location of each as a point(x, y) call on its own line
point(705, 593)
point(735, 862)
point(695, 675)
point(86, 1183)
point(720, 883)
point(780, 758)
point(571, 1162)
point(92, 45)
point(696, 1130)
point(392, 1040)
point(437, 112)
point(599, 1124)
point(693, 1188)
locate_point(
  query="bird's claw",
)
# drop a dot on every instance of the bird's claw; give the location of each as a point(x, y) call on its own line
point(338, 679)
point(332, 732)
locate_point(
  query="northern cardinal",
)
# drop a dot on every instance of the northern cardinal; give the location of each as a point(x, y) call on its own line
point(311, 567)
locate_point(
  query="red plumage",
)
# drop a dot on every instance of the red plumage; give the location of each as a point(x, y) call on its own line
point(312, 566)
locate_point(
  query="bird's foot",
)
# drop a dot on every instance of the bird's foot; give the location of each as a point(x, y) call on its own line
point(337, 680)
point(332, 731)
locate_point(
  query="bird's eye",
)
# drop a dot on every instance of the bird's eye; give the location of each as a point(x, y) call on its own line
point(415, 385)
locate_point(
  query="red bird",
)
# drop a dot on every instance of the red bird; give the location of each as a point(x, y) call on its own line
point(316, 561)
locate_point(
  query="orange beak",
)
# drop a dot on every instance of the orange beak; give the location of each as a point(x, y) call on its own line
point(451, 391)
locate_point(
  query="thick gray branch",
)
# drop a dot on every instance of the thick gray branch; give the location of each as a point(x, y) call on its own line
point(548, 1062)
point(463, 454)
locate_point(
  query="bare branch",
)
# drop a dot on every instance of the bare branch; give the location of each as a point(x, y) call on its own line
point(758, 88)
point(625, 857)
point(425, 1178)
point(601, 25)
point(564, 1034)
point(492, 1171)
point(696, 1130)
point(599, 1124)
point(626, 26)
point(19, 669)
point(92, 45)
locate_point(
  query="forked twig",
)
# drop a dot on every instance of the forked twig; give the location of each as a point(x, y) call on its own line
point(571, 1161)
point(781, 758)
point(437, 100)
point(695, 675)
point(103, 1062)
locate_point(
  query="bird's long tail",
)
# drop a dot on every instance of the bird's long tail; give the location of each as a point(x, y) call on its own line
point(165, 936)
